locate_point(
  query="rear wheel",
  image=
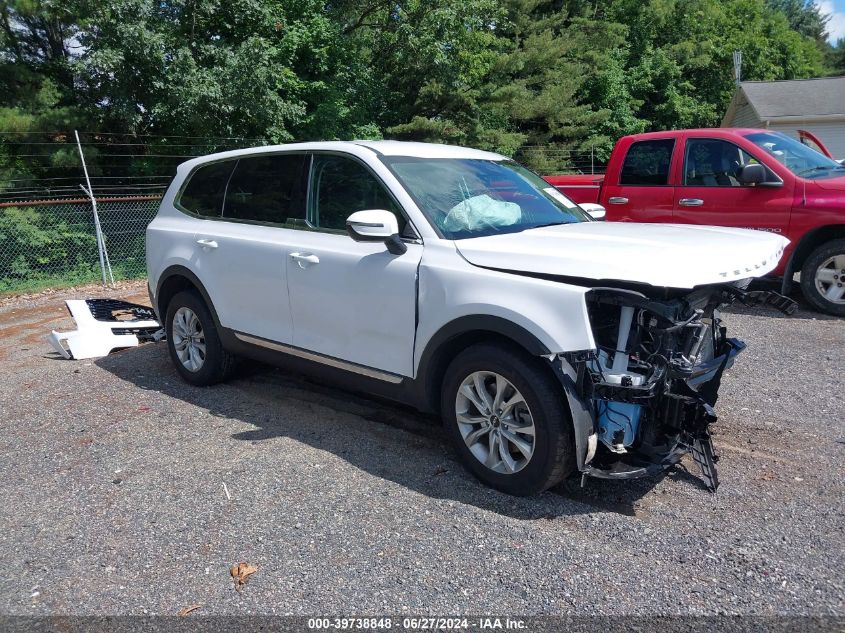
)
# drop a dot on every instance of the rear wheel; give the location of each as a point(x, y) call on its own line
point(194, 344)
point(823, 277)
point(507, 418)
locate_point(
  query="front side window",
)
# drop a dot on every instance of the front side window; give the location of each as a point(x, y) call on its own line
point(798, 158)
point(267, 189)
point(341, 186)
point(714, 163)
point(647, 163)
point(472, 197)
point(203, 195)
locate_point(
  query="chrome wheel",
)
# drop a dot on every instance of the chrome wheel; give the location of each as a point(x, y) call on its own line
point(495, 422)
point(188, 339)
point(830, 279)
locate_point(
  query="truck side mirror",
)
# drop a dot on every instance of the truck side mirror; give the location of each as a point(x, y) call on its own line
point(752, 175)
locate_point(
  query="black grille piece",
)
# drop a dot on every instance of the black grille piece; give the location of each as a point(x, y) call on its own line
point(115, 310)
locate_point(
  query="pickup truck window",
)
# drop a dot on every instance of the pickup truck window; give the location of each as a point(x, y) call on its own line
point(647, 163)
point(465, 198)
point(714, 163)
point(798, 158)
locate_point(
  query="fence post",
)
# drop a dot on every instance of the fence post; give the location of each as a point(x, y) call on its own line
point(101, 242)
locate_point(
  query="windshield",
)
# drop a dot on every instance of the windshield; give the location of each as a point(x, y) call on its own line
point(797, 157)
point(470, 197)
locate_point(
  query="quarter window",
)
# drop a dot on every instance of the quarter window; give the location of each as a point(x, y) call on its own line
point(341, 186)
point(203, 195)
point(267, 189)
point(647, 163)
point(714, 163)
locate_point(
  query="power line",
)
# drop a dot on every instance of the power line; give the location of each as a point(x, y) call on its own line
point(225, 138)
point(77, 178)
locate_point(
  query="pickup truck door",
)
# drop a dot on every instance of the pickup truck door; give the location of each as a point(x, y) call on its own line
point(642, 190)
point(710, 191)
point(352, 301)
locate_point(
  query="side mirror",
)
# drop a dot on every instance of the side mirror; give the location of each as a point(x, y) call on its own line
point(752, 175)
point(595, 211)
point(376, 225)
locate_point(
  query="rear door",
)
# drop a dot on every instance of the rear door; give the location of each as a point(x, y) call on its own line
point(710, 191)
point(642, 190)
point(241, 256)
point(352, 301)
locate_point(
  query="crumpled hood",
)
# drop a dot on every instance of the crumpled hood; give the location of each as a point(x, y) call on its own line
point(668, 255)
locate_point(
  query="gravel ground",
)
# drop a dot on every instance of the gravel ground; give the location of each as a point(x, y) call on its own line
point(127, 491)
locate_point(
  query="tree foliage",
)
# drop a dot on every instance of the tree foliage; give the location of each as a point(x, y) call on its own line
point(517, 76)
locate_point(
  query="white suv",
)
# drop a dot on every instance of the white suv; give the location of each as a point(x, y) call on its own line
point(460, 282)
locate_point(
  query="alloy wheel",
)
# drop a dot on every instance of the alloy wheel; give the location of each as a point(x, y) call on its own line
point(188, 339)
point(495, 422)
point(830, 279)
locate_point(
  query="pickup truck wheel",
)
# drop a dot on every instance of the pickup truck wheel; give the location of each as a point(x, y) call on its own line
point(507, 418)
point(823, 277)
point(193, 342)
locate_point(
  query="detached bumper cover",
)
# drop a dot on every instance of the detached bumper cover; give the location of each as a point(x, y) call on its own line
point(104, 325)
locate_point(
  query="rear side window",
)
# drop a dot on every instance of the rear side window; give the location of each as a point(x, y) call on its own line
point(204, 192)
point(267, 189)
point(647, 163)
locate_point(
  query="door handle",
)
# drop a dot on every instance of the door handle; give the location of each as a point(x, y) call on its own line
point(690, 202)
point(207, 243)
point(617, 200)
point(305, 259)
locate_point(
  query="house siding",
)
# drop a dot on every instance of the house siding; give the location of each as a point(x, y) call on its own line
point(745, 117)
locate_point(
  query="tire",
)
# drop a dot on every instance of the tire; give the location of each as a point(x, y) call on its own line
point(198, 367)
point(552, 455)
point(823, 274)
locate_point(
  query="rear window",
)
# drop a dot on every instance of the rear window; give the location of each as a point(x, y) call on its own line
point(267, 189)
point(647, 163)
point(204, 192)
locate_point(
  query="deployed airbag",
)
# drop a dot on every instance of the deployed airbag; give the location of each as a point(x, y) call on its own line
point(480, 212)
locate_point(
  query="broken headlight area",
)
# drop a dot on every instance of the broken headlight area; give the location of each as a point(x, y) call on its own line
point(653, 380)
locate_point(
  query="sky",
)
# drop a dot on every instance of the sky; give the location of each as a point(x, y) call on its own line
point(836, 25)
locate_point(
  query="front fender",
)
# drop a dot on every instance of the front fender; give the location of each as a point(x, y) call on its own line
point(583, 422)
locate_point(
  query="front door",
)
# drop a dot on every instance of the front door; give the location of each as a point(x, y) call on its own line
point(352, 301)
point(710, 191)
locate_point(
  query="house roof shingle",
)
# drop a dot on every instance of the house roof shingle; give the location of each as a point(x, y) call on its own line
point(796, 97)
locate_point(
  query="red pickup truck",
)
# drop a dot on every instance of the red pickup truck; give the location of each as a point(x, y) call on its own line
point(748, 178)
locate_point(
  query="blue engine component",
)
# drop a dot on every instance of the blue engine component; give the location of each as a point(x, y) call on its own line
point(618, 423)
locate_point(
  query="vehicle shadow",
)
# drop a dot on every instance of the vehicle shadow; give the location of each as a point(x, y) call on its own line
point(258, 387)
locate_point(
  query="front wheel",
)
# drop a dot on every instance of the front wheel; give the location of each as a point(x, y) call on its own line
point(823, 277)
point(508, 419)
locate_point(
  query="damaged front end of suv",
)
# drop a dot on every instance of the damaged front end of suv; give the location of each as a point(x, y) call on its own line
point(646, 395)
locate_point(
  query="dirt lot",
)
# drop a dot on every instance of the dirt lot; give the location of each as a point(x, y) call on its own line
point(127, 491)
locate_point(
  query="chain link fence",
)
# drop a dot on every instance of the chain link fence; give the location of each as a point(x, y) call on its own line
point(53, 243)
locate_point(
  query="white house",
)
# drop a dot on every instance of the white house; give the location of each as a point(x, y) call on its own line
point(815, 105)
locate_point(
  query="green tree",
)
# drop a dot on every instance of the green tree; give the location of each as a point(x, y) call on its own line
point(804, 16)
point(273, 70)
